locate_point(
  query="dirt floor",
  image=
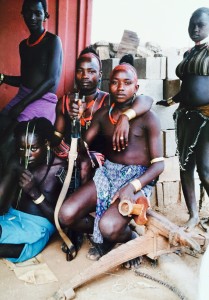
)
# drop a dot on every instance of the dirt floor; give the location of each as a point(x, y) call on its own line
point(179, 271)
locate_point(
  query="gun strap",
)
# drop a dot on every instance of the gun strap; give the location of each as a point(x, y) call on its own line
point(72, 156)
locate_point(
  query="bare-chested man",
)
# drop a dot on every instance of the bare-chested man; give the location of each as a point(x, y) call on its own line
point(29, 192)
point(126, 174)
point(88, 75)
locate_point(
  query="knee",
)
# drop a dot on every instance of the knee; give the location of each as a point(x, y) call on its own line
point(203, 175)
point(110, 230)
point(66, 215)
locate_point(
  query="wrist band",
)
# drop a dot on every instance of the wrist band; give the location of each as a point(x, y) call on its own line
point(136, 184)
point(57, 133)
point(1, 78)
point(154, 160)
point(39, 200)
point(130, 113)
point(170, 101)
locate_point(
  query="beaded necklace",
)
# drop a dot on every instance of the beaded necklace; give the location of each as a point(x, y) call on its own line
point(37, 41)
point(112, 120)
point(86, 122)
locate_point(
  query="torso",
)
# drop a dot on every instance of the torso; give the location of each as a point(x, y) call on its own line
point(102, 100)
point(50, 185)
point(194, 73)
point(138, 139)
point(35, 61)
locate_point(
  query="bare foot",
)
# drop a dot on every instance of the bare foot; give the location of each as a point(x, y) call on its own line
point(98, 250)
point(192, 222)
point(135, 262)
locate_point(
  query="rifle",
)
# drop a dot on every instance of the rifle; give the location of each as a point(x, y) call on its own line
point(72, 172)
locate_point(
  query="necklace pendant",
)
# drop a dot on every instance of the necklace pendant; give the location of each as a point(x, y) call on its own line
point(88, 123)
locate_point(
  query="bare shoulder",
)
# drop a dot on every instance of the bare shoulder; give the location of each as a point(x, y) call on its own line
point(150, 119)
point(53, 39)
point(143, 97)
point(101, 112)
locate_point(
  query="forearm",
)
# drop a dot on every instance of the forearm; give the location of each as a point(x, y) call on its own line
point(142, 104)
point(151, 174)
point(177, 97)
point(11, 80)
point(37, 93)
point(43, 202)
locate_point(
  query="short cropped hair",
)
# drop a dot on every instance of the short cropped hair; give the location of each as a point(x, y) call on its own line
point(44, 4)
point(201, 10)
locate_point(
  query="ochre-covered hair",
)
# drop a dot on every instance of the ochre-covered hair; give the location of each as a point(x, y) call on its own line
point(91, 53)
point(125, 67)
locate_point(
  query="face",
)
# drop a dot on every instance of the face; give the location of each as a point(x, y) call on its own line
point(34, 16)
point(199, 27)
point(87, 75)
point(122, 86)
point(33, 151)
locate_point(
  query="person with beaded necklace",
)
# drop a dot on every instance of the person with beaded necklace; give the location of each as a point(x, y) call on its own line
point(192, 115)
point(41, 64)
point(125, 175)
point(29, 192)
point(87, 78)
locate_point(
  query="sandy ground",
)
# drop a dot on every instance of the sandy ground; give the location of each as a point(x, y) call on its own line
point(180, 271)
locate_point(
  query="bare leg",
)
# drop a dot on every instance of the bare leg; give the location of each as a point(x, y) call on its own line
point(74, 212)
point(115, 229)
point(188, 187)
point(11, 250)
point(202, 158)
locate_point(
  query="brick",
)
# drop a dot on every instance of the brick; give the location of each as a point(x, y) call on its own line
point(171, 192)
point(103, 52)
point(105, 85)
point(169, 142)
point(171, 171)
point(153, 198)
point(129, 43)
point(165, 115)
point(160, 196)
point(152, 88)
point(150, 67)
point(170, 88)
point(107, 66)
point(172, 62)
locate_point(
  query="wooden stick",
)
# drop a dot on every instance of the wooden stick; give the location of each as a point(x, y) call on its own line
point(155, 242)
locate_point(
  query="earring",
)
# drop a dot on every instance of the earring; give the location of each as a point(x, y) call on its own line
point(48, 154)
point(134, 96)
point(21, 161)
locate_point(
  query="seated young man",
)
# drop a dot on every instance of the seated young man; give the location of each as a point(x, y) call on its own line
point(29, 192)
point(126, 174)
point(88, 76)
